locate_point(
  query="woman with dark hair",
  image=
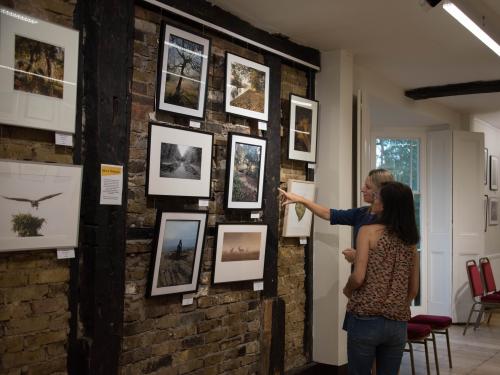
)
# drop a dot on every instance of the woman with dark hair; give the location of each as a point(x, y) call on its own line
point(384, 282)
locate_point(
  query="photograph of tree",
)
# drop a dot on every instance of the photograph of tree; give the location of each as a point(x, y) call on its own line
point(177, 252)
point(247, 87)
point(303, 128)
point(180, 161)
point(39, 67)
point(184, 64)
point(240, 246)
point(246, 172)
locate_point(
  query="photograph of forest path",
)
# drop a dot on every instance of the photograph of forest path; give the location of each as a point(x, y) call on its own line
point(39, 67)
point(180, 161)
point(246, 172)
point(184, 66)
point(247, 88)
point(240, 246)
point(177, 252)
point(303, 121)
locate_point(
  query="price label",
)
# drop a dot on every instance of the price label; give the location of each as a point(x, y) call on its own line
point(187, 299)
point(263, 125)
point(65, 253)
point(258, 285)
point(195, 124)
point(203, 202)
point(303, 240)
point(311, 166)
point(255, 215)
point(64, 139)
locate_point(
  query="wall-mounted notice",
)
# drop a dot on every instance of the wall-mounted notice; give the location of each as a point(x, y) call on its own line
point(111, 184)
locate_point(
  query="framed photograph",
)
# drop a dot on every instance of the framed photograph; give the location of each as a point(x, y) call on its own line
point(485, 166)
point(247, 88)
point(38, 73)
point(176, 256)
point(179, 162)
point(303, 129)
point(246, 161)
point(39, 205)
point(240, 252)
point(492, 211)
point(182, 72)
point(493, 172)
point(298, 219)
point(485, 209)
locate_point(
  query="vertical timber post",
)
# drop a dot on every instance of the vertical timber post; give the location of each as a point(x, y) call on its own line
point(107, 28)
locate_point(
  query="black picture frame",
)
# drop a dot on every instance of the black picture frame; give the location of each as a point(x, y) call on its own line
point(189, 226)
point(300, 146)
point(178, 102)
point(168, 182)
point(229, 89)
point(238, 268)
point(234, 195)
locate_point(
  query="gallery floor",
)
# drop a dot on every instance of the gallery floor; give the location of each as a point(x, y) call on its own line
point(477, 353)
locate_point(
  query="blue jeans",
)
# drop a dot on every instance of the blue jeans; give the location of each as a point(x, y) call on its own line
point(374, 337)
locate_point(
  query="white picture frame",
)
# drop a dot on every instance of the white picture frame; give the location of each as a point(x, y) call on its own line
point(303, 129)
point(185, 46)
point(493, 173)
point(39, 205)
point(174, 269)
point(245, 166)
point(248, 98)
point(37, 96)
point(240, 252)
point(493, 211)
point(298, 219)
point(162, 182)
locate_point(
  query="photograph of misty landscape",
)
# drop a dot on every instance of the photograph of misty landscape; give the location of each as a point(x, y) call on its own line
point(303, 122)
point(180, 161)
point(177, 252)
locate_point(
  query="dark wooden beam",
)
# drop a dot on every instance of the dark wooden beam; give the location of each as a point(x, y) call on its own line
point(106, 28)
point(467, 88)
point(217, 16)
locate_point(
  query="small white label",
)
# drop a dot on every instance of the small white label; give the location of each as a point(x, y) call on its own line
point(262, 125)
point(255, 215)
point(130, 288)
point(203, 202)
point(195, 124)
point(258, 285)
point(64, 139)
point(303, 240)
point(65, 253)
point(311, 166)
point(187, 299)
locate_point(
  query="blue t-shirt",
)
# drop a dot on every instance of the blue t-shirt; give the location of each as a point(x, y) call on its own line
point(355, 217)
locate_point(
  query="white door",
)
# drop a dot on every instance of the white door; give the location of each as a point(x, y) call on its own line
point(439, 266)
point(468, 220)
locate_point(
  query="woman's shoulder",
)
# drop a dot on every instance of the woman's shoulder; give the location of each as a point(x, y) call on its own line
point(372, 229)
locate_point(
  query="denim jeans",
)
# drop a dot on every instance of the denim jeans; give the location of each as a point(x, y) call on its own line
point(374, 337)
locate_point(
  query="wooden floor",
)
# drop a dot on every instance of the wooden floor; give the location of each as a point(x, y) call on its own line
point(478, 352)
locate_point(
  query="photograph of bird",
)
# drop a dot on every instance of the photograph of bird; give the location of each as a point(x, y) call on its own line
point(34, 202)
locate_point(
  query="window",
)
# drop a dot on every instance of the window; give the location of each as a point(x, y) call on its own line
point(402, 158)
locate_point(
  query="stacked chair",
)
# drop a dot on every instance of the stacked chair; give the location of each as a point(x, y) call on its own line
point(482, 302)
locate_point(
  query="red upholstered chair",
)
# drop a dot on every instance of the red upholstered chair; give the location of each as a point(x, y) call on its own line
point(481, 303)
point(419, 334)
point(488, 279)
point(439, 325)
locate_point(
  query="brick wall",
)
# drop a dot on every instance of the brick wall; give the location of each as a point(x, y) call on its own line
point(34, 284)
point(219, 333)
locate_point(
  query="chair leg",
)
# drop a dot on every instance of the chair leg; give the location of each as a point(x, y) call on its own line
point(489, 318)
point(412, 360)
point(479, 317)
point(427, 357)
point(433, 339)
point(468, 319)
point(448, 346)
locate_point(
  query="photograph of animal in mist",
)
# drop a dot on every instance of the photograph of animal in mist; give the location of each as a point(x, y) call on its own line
point(246, 172)
point(180, 161)
point(39, 67)
point(241, 246)
point(178, 249)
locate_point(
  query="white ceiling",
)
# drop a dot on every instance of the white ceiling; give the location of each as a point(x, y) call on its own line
point(402, 41)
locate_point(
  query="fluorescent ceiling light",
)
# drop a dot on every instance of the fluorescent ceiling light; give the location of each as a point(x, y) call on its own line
point(470, 25)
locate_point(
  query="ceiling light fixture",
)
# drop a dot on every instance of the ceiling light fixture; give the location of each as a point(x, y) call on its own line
point(470, 25)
